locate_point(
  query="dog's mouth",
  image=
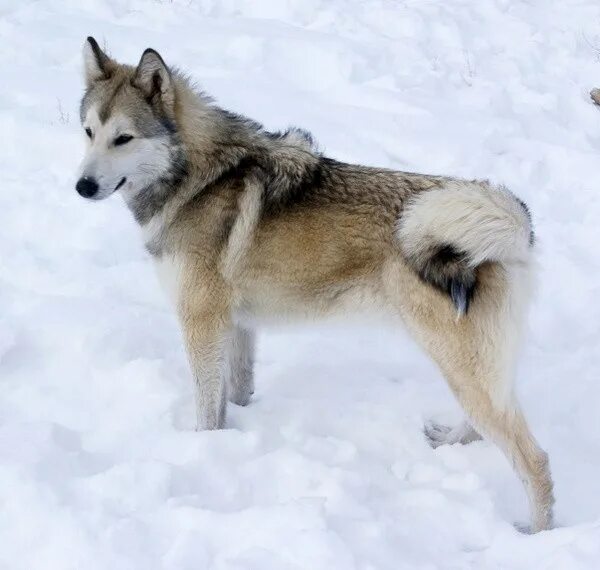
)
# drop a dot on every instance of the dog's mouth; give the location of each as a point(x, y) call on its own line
point(123, 180)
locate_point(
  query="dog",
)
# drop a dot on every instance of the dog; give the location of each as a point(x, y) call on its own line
point(246, 226)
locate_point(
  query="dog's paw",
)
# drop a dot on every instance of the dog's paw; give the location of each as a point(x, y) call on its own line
point(241, 397)
point(439, 434)
point(523, 528)
point(436, 434)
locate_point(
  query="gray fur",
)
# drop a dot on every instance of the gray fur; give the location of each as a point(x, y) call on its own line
point(247, 226)
point(152, 199)
point(239, 374)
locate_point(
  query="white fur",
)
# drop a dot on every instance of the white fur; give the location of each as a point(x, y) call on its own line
point(505, 328)
point(92, 71)
point(484, 221)
point(140, 161)
point(240, 238)
point(488, 224)
point(169, 269)
point(152, 229)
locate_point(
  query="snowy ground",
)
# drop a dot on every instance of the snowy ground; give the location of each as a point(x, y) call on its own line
point(328, 468)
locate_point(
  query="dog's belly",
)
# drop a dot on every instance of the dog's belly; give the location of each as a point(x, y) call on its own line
point(268, 305)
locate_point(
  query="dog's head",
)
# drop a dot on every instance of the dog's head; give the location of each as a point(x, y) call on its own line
point(128, 118)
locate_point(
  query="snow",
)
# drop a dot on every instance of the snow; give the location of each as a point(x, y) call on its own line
point(327, 468)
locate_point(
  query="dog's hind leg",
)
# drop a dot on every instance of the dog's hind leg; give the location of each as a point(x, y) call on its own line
point(476, 354)
point(506, 426)
point(239, 375)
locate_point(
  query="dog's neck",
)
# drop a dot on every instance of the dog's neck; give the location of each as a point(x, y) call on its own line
point(209, 141)
point(213, 140)
point(203, 146)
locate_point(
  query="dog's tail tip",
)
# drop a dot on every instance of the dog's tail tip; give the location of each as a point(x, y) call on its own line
point(461, 293)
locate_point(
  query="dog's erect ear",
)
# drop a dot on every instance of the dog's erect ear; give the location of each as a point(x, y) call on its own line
point(96, 63)
point(153, 78)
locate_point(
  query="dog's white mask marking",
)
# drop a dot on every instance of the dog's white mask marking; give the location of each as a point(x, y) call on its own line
point(128, 167)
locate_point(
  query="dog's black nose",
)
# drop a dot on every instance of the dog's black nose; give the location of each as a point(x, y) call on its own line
point(87, 187)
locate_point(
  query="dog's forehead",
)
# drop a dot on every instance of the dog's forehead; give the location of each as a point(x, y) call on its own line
point(90, 117)
point(107, 95)
point(116, 121)
point(111, 102)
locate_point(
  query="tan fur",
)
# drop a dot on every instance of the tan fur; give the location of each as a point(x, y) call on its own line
point(302, 265)
point(244, 251)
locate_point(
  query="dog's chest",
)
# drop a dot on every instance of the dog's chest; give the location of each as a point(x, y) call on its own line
point(167, 266)
point(168, 270)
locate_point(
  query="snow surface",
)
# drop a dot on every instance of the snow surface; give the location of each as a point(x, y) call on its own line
point(328, 467)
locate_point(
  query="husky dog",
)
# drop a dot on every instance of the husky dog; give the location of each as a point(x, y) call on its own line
point(246, 225)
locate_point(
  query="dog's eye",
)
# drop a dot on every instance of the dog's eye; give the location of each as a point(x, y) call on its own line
point(88, 132)
point(122, 139)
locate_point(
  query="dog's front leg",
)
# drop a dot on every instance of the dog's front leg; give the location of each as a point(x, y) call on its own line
point(205, 333)
point(238, 370)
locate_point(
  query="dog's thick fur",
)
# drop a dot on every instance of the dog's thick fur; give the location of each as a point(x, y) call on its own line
point(245, 225)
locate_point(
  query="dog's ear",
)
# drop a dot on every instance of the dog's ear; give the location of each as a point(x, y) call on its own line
point(153, 78)
point(96, 63)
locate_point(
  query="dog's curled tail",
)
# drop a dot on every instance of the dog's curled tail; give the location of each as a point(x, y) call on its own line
point(446, 233)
